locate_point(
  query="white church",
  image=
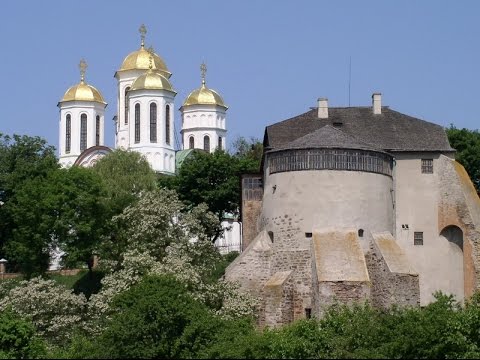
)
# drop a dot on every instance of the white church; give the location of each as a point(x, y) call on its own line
point(145, 121)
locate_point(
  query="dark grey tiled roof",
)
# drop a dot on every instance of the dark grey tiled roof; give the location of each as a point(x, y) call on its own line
point(326, 137)
point(389, 131)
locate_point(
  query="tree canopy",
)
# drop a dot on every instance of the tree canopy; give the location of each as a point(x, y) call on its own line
point(63, 209)
point(467, 144)
point(213, 179)
point(126, 175)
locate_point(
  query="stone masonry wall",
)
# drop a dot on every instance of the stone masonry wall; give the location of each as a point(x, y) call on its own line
point(344, 292)
point(390, 288)
point(299, 262)
point(251, 210)
point(251, 207)
point(251, 269)
point(278, 297)
point(459, 205)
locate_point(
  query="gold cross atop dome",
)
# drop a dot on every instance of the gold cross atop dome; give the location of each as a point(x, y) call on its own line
point(203, 70)
point(83, 67)
point(142, 30)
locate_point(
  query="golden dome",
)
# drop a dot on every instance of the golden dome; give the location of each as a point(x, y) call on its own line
point(204, 96)
point(82, 91)
point(140, 59)
point(152, 80)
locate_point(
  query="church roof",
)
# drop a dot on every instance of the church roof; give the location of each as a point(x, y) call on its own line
point(327, 137)
point(388, 131)
point(181, 156)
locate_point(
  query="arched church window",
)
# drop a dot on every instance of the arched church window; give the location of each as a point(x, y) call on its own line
point(220, 145)
point(153, 122)
point(137, 123)
point(191, 142)
point(97, 130)
point(167, 124)
point(68, 133)
point(206, 143)
point(83, 132)
point(126, 104)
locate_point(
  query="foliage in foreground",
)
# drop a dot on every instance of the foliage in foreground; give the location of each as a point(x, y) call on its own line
point(18, 339)
point(159, 318)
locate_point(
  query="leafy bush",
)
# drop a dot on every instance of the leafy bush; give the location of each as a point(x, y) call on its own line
point(18, 339)
point(158, 318)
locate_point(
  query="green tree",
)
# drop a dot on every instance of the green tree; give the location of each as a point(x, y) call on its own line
point(155, 221)
point(158, 318)
point(22, 159)
point(248, 149)
point(81, 215)
point(61, 209)
point(211, 178)
point(18, 339)
point(467, 144)
point(126, 175)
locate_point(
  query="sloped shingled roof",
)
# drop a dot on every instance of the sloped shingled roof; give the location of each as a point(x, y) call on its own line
point(327, 137)
point(388, 131)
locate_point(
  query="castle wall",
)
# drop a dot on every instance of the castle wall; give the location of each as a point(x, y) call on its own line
point(251, 269)
point(394, 280)
point(460, 206)
point(299, 263)
point(298, 202)
point(251, 206)
point(339, 269)
point(419, 198)
point(278, 295)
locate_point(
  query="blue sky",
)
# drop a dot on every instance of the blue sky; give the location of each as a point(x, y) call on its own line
point(269, 59)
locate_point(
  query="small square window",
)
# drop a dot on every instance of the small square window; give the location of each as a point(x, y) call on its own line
point(427, 166)
point(308, 234)
point(418, 238)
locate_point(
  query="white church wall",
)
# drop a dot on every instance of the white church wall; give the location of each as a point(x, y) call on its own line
point(125, 80)
point(160, 154)
point(199, 121)
point(75, 109)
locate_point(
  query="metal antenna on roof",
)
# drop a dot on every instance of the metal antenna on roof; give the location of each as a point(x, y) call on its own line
point(349, 79)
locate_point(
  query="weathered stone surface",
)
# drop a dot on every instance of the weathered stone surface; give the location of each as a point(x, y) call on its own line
point(252, 267)
point(394, 257)
point(394, 279)
point(339, 256)
point(278, 297)
point(459, 205)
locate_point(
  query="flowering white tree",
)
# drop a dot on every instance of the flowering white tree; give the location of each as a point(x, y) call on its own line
point(54, 310)
point(156, 234)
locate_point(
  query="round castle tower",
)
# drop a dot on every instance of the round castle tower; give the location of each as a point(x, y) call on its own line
point(326, 179)
point(203, 118)
point(82, 111)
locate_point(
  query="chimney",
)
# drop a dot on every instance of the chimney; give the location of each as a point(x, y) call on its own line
point(323, 108)
point(377, 103)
